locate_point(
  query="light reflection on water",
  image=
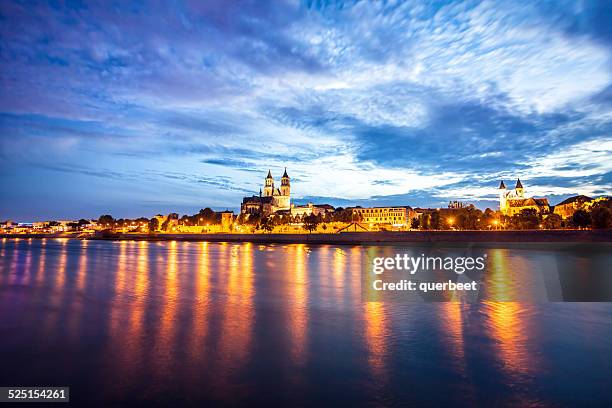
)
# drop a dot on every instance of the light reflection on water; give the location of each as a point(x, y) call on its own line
point(375, 336)
point(225, 322)
point(298, 305)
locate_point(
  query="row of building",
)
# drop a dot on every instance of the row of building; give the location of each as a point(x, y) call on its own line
point(50, 227)
point(274, 200)
point(513, 201)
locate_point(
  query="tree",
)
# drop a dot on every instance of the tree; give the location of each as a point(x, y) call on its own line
point(106, 221)
point(469, 218)
point(581, 219)
point(553, 221)
point(142, 223)
point(82, 222)
point(328, 216)
point(206, 216)
point(424, 221)
point(526, 219)
point(242, 218)
point(266, 224)
point(153, 225)
point(253, 219)
point(165, 225)
point(601, 217)
point(414, 223)
point(170, 221)
point(310, 222)
point(489, 219)
point(435, 220)
point(342, 215)
point(281, 219)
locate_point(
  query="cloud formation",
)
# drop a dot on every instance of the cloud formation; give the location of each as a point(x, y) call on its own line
point(404, 103)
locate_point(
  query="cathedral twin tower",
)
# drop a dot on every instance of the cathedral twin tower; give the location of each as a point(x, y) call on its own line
point(285, 189)
point(281, 197)
point(272, 199)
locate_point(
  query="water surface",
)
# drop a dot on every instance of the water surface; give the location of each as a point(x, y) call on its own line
point(235, 323)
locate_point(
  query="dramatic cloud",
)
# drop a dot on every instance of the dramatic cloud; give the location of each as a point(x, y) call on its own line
point(154, 107)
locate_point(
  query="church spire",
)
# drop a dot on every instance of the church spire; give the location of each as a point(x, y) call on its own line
point(518, 183)
point(268, 190)
point(502, 186)
point(285, 185)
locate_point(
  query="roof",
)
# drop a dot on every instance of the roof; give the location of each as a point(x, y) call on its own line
point(285, 173)
point(520, 202)
point(320, 206)
point(384, 207)
point(269, 174)
point(502, 186)
point(524, 202)
point(518, 183)
point(256, 200)
point(579, 198)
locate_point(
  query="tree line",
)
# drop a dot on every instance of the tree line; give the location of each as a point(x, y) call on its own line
point(204, 217)
point(598, 216)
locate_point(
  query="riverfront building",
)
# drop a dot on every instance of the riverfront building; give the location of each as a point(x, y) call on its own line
point(272, 199)
point(310, 208)
point(394, 216)
point(567, 208)
point(514, 201)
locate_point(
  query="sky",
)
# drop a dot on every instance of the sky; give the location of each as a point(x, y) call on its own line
point(152, 107)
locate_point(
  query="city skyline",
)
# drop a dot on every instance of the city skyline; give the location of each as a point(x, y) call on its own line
point(137, 110)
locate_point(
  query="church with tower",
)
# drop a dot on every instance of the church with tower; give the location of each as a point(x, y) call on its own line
point(514, 201)
point(272, 199)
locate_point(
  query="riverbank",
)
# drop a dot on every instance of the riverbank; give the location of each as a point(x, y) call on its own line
point(356, 238)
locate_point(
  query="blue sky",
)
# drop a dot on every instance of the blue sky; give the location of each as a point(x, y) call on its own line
point(136, 109)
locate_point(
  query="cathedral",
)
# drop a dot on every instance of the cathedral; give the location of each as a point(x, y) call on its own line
point(514, 201)
point(272, 200)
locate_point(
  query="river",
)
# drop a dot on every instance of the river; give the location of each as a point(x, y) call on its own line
point(192, 323)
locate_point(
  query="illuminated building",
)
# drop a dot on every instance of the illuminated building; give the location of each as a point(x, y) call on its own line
point(272, 200)
point(567, 208)
point(395, 216)
point(310, 208)
point(514, 201)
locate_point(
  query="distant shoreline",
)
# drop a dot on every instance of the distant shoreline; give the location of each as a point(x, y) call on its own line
point(353, 238)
